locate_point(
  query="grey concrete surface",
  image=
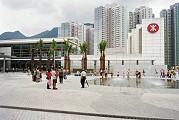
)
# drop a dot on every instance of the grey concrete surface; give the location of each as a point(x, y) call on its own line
point(17, 89)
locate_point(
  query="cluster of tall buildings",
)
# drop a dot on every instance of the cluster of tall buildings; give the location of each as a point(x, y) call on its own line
point(85, 32)
point(171, 34)
point(113, 23)
point(140, 13)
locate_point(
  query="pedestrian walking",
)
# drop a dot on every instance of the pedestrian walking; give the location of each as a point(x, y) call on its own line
point(161, 73)
point(143, 73)
point(117, 74)
point(61, 76)
point(56, 73)
point(106, 72)
point(111, 74)
point(138, 79)
point(123, 74)
point(128, 74)
point(28, 71)
point(54, 78)
point(156, 73)
point(7, 70)
point(83, 78)
point(37, 75)
point(136, 73)
point(65, 74)
point(101, 72)
point(48, 77)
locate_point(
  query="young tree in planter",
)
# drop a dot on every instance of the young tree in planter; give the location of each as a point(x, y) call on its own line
point(84, 49)
point(67, 46)
point(33, 50)
point(40, 46)
point(53, 49)
point(49, 53)
point(102, 47)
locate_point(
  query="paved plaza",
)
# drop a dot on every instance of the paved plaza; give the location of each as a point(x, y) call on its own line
point(22, 99)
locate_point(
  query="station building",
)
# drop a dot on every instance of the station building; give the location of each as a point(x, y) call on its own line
point(16, 53)
point(145, 50)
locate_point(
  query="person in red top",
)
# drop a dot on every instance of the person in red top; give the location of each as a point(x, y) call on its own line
point(49, 75)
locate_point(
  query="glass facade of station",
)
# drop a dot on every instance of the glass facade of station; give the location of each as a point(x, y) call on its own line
point(21, 54)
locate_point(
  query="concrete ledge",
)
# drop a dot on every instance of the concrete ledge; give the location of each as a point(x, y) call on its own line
point(81, 113)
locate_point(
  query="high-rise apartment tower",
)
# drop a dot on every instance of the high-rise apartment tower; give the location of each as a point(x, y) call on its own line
point(110, 23)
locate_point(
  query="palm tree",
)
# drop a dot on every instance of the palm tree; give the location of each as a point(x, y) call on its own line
point(53, 49)
point(33, 51)
point(102, 46)
point(68, 57)
point(67, 46)
point(84, 49)
point(40, 46)
point(49, 52)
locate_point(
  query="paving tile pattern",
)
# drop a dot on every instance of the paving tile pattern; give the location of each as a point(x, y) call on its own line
point(17, 89)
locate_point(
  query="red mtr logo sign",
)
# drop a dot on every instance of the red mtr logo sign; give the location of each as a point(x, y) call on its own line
point(153, 28)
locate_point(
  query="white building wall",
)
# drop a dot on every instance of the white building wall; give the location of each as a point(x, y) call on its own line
point(128, 43)
point(135, 34)
point(5, 50)
point(153, 43)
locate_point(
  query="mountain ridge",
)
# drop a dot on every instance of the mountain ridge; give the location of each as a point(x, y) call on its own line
point(18, 35)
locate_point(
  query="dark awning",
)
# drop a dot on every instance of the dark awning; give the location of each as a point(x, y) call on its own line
point(7, 56)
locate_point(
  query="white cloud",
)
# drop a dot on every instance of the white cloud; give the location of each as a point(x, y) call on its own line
point(32, 16)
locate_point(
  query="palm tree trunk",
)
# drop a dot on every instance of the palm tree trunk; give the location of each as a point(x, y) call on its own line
point(32, 62)
point(69, 62)
point(82, 63)
point(40, 59)
point(85, 62)
point(48, 62)
point(65, 62)
point(69, 66)
point(101, 62)
point(53, 60)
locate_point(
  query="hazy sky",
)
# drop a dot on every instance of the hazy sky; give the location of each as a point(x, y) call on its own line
point(34, 16)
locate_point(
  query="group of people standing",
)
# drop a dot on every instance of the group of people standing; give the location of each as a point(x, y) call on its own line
point(168, 74)
point(104, 73)
point(52, 76)
point(36, 75)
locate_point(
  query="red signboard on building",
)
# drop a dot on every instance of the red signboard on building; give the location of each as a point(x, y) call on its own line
point(152, 28)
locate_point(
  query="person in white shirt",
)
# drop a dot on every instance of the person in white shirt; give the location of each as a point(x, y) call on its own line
point(54, 78)
point(128, 74)
point(106, 72)
point(83, 78)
